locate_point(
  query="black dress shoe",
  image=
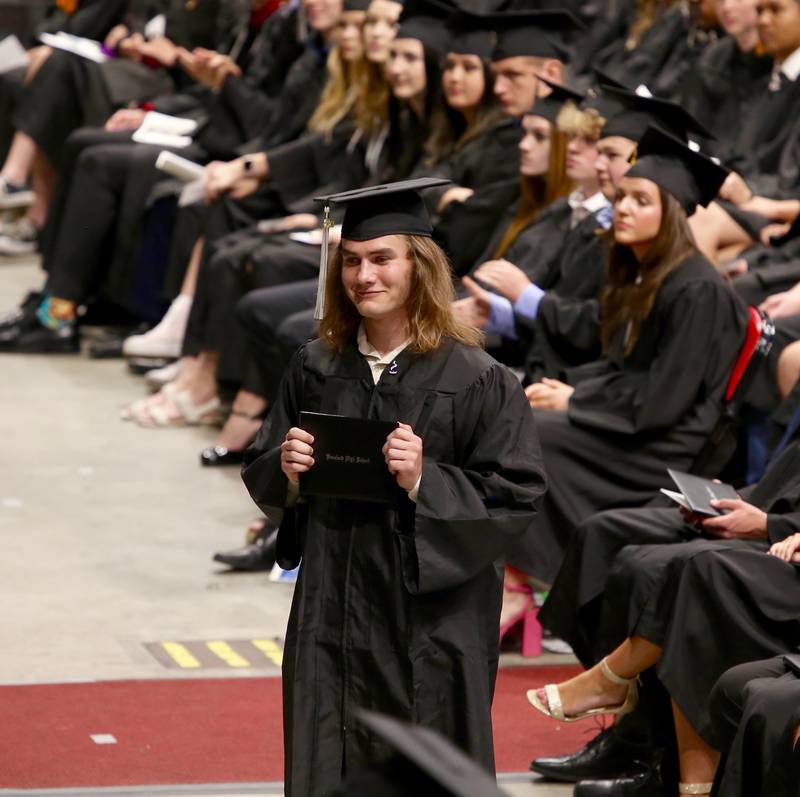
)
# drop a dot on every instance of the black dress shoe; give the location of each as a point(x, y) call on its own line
point(258, 555)
point(643, 784)
point(607, 755)
point(219, 455)
point(30, 337)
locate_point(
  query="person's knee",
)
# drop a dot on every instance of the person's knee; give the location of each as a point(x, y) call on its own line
point(296, 330)
point(250, 311)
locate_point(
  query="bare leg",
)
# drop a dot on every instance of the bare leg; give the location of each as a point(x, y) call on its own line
point(698, 761)
point(715, 233)
point(193, 269)
point(43, 182)
point(513, 602)
point(19, 160)
point(243, 425)
point(591, 689)
point(788, 369)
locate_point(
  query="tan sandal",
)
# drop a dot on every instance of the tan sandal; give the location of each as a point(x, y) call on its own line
point(164, 415)
point(555, 710)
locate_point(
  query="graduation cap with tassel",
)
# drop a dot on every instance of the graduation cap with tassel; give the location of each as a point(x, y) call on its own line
point(388, 209)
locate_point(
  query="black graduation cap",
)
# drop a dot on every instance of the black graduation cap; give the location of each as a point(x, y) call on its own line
point(425, 763)
point(636, 113)
point(534, 33)
point(550, 106)
point(691, 177)
point(425, 20)
point(355, 5)
point(388, 209)
point(471, 34)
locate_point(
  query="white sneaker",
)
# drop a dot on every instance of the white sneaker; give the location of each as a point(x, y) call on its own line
point(166, 338)
point(14, 196)
point(18, 237)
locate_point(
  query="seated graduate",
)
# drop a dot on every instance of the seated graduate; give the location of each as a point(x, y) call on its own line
point(667, 608)
point(655, 396)
point(394, 599)
point(766, 513)
point(755, 712)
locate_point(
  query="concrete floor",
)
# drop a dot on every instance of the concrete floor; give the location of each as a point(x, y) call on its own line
point(108, 532)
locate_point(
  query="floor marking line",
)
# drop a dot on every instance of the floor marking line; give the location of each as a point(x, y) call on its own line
point(270, 649)
point(180, 655)
point(227, 653)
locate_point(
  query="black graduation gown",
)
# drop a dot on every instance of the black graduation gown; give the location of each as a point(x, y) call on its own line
point(566, 332)
point(755, 709)
point(396, 608)
point(573, 606)
point(630, 417)
point(721, 89)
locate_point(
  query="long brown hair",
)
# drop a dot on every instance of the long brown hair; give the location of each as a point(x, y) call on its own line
point(429, 305)
point(371, 109)
point(540, 191)
point(632, 286)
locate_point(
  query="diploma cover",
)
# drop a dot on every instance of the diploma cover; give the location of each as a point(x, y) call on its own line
point(698, 492)
point(348, 462)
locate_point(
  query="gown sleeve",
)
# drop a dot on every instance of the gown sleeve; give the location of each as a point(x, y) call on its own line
point(630, 401)
point(467, 514)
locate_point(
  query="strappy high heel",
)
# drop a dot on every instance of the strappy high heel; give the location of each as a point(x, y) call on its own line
point(554, 708)
point(528, 616)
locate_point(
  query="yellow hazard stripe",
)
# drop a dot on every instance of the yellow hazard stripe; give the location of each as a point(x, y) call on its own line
point(180, 655)
point(270, 649)
point(227, 654)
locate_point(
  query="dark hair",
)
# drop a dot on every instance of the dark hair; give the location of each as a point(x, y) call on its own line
point(429, 305)
point(540, 191)
point(403, 122)
point(449, 129)
point(631, 285)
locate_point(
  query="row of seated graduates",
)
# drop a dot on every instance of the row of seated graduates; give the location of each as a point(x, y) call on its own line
point(78, 254)
point(764, 262)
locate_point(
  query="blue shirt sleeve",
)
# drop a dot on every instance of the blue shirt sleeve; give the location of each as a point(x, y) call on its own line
point(528, 303)
point(501, 317)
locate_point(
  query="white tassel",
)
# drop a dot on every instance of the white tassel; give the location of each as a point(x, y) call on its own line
point(327, 223)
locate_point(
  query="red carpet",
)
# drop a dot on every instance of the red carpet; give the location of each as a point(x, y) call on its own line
point(207, 731)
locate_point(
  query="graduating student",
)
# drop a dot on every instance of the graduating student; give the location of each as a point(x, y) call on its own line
point(396, 607)
point(655, 395)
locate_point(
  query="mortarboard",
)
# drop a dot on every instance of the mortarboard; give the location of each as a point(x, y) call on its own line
point(691, 177)
point(532, 33)
point(471, 34)
point(425, 20)
point(355, 5)
point(388, 209)
point(425, 763)
point(635, 113)
point(550, 106)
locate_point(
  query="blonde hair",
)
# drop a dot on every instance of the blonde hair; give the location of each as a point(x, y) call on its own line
point(429, 303)
point(371, 108)
point(339, 96)
point(583, 123)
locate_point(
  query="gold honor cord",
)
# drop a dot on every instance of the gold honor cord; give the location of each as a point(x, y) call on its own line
point(327, 223)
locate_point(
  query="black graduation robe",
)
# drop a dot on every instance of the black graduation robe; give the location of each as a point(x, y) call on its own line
point(396, 609)
point(573, 606)
point(566, 331)
point(755, 710)
point(632, 416)
point(721, 90)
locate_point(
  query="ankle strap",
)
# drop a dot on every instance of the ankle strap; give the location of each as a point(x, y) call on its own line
point(614, 678)
point(694, 788)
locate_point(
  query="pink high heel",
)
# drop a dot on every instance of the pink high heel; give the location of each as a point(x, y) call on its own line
point(528, 616)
